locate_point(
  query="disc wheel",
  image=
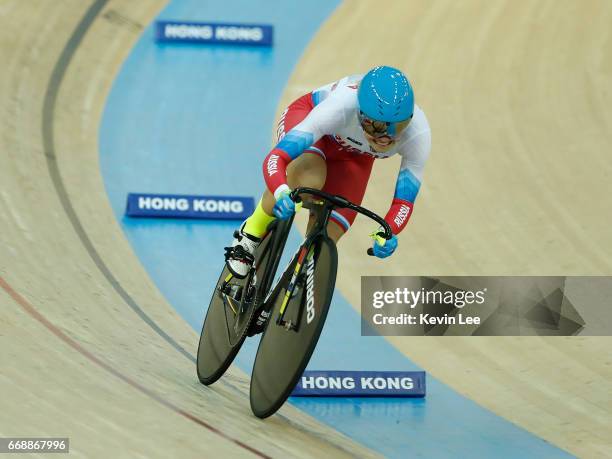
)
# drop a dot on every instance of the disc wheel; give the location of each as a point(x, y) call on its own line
point(227, 319)
point(284, 352)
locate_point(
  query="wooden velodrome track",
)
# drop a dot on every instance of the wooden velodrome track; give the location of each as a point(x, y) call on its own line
point(75, 361)
point(518, 183)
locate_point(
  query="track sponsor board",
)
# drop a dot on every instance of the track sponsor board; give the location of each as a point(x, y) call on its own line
point(361, 384)
point(214, 33)
point(187, 206)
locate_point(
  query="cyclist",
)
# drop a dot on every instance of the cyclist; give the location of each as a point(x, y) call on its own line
point(328, 139)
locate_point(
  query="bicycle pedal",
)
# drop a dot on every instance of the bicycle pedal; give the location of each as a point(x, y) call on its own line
point(238, 253)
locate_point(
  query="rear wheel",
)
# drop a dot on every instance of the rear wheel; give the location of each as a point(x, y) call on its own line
point(228, 317)
point(285, 350)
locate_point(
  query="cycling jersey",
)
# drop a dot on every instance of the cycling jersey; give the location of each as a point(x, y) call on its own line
point(330, 127)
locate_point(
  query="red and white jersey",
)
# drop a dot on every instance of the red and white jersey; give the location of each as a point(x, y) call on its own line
point(336, 115)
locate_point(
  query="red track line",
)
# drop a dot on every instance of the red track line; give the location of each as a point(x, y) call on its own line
point(26, 306)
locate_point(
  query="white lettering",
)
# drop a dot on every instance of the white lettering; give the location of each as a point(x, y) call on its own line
point(188, 31)
point(378, 300)
point(426, 319)
point(169, 204)
point(223, 205)
point(157, 203)
point(198, 205)
point(239, 33)
point(310, 309)
point(402, 215)
point(144, 202)
point(182, 204)
point(272, 165)
point(323, 382)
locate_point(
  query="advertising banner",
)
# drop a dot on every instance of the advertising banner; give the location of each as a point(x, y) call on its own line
point(361, 384)
point(184, 206)
point(214, 33)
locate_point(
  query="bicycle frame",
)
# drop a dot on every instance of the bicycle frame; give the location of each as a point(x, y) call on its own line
point(276, 247)
point(319, 230)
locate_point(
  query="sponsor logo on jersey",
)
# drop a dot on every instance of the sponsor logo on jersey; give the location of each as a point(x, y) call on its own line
point(354, 141)
point(310, 309)
point(280, 131)
point(346, 146)
point(272, 165)
point(402, 215)
point(377, 154)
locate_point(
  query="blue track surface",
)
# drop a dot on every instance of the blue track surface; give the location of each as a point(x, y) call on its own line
point(198, 120)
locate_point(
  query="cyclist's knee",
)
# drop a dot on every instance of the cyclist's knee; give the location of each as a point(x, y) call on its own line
point(307, 170)
point(334, 231)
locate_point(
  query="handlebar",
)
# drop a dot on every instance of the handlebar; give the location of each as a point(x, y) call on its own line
point(339, 201)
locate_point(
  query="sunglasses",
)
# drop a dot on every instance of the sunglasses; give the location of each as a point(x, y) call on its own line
point(376, 128)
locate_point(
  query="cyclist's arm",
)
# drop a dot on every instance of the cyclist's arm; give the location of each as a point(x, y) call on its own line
point(290, 147)
point(325, 118)
point(408, 181)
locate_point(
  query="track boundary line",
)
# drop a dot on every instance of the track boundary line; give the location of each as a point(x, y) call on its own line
point(51, 93)
point(33, 312)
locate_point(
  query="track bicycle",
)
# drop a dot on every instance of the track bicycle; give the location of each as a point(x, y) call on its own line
point(291, 312)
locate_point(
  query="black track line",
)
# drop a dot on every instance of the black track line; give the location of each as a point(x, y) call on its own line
point(48, 121)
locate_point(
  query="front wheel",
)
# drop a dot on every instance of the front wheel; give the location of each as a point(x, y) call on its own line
point(286, 347)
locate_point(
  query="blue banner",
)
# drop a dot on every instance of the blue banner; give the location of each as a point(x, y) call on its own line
point(360, 384)
point(214, 33)
point(183, 206)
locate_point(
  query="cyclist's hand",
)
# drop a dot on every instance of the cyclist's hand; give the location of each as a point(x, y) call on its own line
point(284, 207)
point(383, 248)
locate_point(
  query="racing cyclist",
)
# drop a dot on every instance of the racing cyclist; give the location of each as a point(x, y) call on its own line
point(328, 139)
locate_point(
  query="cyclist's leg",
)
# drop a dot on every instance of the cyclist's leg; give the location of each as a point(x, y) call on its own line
point(347, 176)
point(307, 169)
point(247, 238)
